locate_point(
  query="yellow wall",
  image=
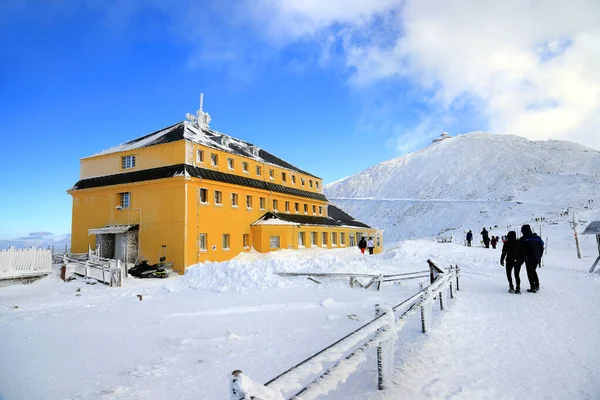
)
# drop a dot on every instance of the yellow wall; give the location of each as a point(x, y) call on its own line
point(162, 216)
point(145, 158)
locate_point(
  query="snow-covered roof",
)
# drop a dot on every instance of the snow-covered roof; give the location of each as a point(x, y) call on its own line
point(187, 130)
point(336, 217)
point(592, 229)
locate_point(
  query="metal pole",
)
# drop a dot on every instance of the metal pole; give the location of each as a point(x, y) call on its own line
point(441, 301)
point(380, 383)
point(450, 281)
point(456, 272)
point(422, 312)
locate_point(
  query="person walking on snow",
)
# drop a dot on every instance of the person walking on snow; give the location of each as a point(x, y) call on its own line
point(493, 242)
point(532, 249)
point(486, 238)
point(370, 245)
point(469, 238)
point(511, 252)
point(362, 245)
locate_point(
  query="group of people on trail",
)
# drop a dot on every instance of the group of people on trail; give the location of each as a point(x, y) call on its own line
point(366, 244)
point(494, 240)
point(529, 250)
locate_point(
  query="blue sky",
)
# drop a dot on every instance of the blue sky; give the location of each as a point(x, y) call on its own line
point(331, 87)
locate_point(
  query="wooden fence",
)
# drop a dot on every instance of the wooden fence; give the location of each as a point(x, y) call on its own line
point(311, 378)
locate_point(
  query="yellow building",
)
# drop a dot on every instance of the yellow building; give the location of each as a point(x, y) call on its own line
point(200, 195)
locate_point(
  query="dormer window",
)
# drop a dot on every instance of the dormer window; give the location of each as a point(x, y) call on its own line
point(127, 162)
point(214, 160)
point(230, 164)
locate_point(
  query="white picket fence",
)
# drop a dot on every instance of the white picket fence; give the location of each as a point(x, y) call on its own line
point(25, 263)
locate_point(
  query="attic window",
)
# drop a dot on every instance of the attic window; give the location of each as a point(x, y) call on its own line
point(283, 177)
point(302, 180)
point(294, 179)
point(271, 174)
point(258, 170)
point(200, 156)
point(245, 166)
point(317, 184)
point(214, 160)
point(127, 162)
point(320, 210)
point(310, 183)
point(230, 163)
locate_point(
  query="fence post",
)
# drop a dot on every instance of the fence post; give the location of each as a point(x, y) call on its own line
point(422, 312)
point(441, 301)
point(380, 355)
point(450, 280)
point(456, 273)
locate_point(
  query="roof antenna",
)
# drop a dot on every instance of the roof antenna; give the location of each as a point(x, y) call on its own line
point(201, 119)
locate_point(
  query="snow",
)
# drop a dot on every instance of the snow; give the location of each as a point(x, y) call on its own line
point(183, 336)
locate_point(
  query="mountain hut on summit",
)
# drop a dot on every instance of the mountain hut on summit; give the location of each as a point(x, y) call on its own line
point(205, 196)
point(443, 136)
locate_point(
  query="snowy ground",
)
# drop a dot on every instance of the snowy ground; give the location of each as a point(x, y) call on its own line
point(182, 340)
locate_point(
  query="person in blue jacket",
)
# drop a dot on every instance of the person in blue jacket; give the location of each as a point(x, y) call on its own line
point(532, 249)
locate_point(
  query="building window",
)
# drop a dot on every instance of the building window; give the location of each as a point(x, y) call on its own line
point(271, 174)
point(226, 241)
point(214, 160)
point(306, 209)
point(313, 239)
point(127, 162)
point(218, 197)
point(320, 210)
point(324, 237)
point(261, 203)
point(310, 183)
point(200, 156)
point(125, 199)
point(275, 205)
point(258, 170)
point(314, 210)
point(234, 200)
point(294, 179)
point(334, 238)
point(283, 177)
point(297, 207)
point(274, 242)
point(249, 201)
point(230, 163)
point(342, 239)
point(204, 196)
point(202, 242)
point(246, 240)
point(302, 180)
point(287, 206)
point(317, 184)
point(352, 241)
point(378, 240)
point(245, 166)
point(300, 239)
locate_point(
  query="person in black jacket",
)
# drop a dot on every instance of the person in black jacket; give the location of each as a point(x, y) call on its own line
point(362, 245)
point(511, 252)
point(532, 248)
point(469, 238)
point(486, 238)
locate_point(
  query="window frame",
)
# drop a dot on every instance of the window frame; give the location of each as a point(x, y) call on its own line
point(214, 159)
point(245, 241)
point(275, 205)
point(205, 236)
point(125, 199)
point(200, 156)
point(128, 161)
point(258, 170)
point(245, 166)
point(234, 200)
point(218, 196)
point(205, 191)
point(262, 203)
point(271, 242)
point(324, 239)
point(249, 202)
point(226, 241)
point(230, 164)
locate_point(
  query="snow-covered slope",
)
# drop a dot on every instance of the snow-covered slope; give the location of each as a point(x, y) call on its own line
point(469, 180)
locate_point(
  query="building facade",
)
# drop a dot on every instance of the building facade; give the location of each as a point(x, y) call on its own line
point(200, 195)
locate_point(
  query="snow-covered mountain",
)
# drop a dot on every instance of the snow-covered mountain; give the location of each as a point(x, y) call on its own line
point(469, 181)
point(38, 239)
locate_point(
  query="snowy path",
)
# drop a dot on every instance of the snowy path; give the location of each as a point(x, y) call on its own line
point(496, 345)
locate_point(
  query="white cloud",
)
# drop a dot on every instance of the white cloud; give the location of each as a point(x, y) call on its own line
point(533, 67)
